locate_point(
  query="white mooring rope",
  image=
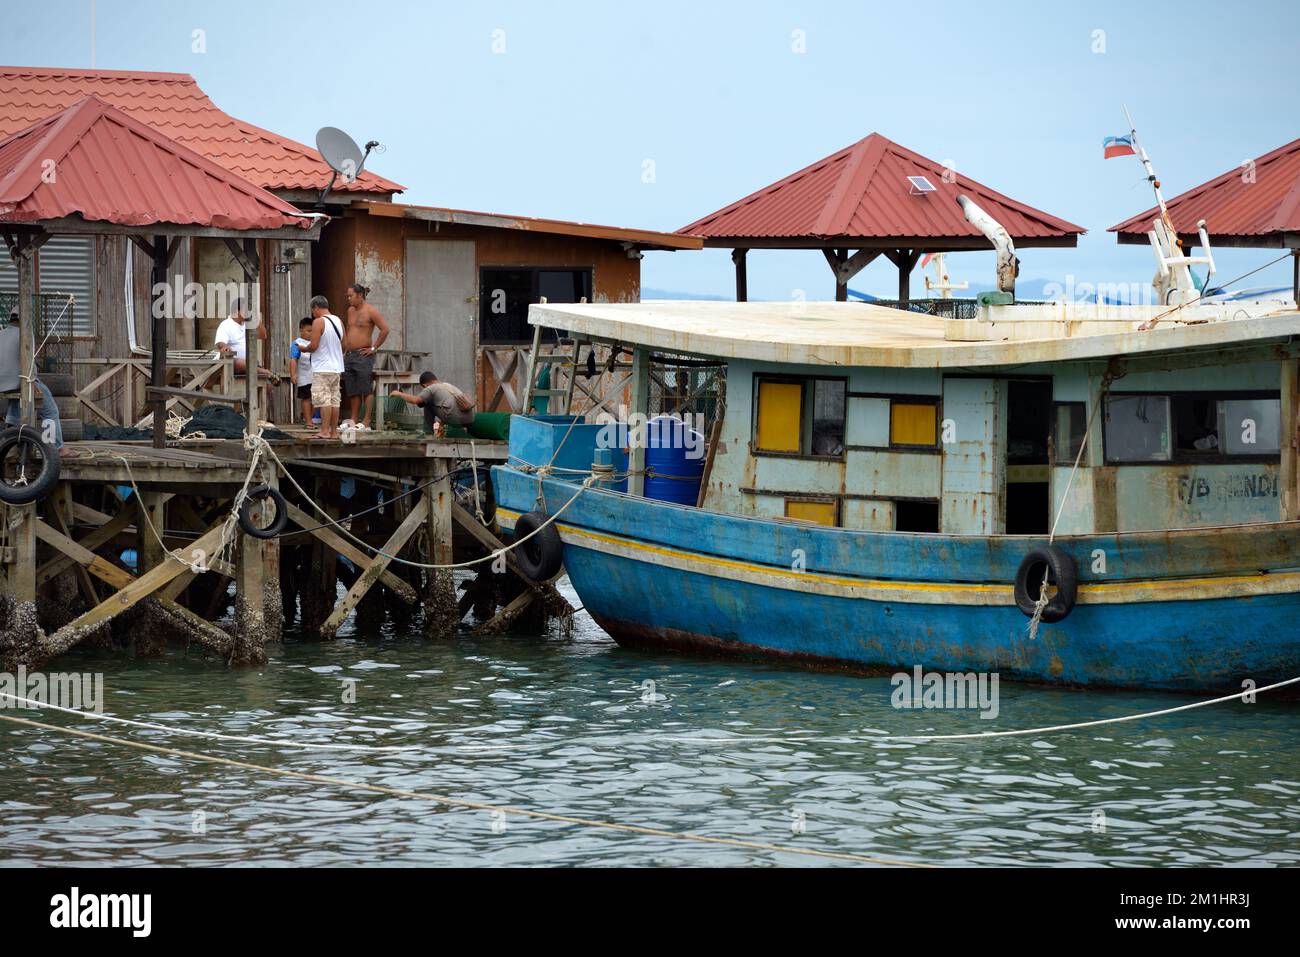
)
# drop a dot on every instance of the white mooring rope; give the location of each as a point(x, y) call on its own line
point(1089, 724)
point(195, 732)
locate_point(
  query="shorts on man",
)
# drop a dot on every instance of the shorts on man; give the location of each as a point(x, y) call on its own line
point(325, 390)
point(358, 371)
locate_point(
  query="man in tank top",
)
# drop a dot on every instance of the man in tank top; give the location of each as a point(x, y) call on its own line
point(326, 348)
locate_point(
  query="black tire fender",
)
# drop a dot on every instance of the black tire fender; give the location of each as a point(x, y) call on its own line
point(542, 556)
point(1061, 573)
point(256, 494)
point(36, 489)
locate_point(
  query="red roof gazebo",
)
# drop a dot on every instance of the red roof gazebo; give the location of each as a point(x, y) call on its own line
point(873, 197)
point(1257, 205)
point(93, 170)
point(176, 106)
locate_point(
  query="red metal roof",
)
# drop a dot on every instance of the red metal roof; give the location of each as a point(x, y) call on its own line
point(863, 192)
point(1233, 205)
point(173, 104)
point(94, 161)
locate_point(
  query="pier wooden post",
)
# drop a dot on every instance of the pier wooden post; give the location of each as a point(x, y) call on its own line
point(151, 514)
point(637, 413)
point(440, 616)
point(20, 574)
point(158, 345)
point(250, 611)
point(319, 590)
point(272, 602)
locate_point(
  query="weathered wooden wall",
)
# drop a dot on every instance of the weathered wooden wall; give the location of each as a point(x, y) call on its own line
point(372, 250)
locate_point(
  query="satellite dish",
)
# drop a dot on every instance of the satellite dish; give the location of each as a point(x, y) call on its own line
point(342, 155)
point(340, 152)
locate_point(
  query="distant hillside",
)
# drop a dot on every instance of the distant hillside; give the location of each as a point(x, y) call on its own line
point(669, 294)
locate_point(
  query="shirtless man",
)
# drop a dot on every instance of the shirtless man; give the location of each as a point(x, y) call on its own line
point(359, 348)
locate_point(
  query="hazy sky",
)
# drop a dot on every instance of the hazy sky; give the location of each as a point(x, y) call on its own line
point(556, 108)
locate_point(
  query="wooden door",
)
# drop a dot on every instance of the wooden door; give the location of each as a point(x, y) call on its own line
point(441, 308)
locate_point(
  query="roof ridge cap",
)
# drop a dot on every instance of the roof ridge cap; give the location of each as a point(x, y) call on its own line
point(28, 173)
point(854, 180)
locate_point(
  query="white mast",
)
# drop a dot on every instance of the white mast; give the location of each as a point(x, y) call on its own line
point(941, 282)
point(1173, 280)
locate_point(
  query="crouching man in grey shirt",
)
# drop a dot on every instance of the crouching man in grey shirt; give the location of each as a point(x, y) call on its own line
point(442, 403)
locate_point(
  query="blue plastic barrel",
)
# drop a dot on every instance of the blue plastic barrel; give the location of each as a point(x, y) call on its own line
point(674, 461)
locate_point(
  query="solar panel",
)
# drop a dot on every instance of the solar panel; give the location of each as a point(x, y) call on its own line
point(920, 185)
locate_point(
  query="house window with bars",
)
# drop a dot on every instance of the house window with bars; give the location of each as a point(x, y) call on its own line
point(506, 292)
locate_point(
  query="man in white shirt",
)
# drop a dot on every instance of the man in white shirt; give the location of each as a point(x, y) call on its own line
point(326, 349)
point(232, 336)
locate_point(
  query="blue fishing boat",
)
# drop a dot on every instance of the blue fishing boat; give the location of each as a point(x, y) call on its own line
point(1092, 495)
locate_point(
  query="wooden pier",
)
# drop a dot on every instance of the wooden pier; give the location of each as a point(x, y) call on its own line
point(370, 507)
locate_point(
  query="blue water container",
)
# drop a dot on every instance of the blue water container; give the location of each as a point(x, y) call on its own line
point(674, 461)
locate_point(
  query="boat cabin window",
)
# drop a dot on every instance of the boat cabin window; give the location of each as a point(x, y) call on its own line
point(1251, 426)
point(799, 416)
point(1137, 428)
point(913, 423)
point(820, 512)
point(1192, 427)
point(1068, 427)
point(915, 516)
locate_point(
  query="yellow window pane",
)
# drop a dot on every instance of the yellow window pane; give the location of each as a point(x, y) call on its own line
point(780, 416)
point(823, 513)
point(912, 423)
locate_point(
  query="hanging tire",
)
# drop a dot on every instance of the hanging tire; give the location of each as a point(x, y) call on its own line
point(1061, 573)
point(24, 479)
point(257, 494)
point(542, 556)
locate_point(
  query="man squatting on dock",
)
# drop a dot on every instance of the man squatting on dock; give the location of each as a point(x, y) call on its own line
point(359, 348)
point(442, 403)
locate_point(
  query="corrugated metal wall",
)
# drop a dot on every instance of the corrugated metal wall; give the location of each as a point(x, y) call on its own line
point(66, 265)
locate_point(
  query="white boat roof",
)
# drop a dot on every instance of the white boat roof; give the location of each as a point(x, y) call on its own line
point(860, 334)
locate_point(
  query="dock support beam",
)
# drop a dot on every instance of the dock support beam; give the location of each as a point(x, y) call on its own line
point(151, 514)
point(252, 630)
point(19, 629)
point(440, 616)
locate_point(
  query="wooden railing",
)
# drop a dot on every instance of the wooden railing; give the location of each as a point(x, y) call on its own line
point(119, 396)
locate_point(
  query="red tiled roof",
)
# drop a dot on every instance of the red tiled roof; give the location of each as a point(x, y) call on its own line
point(862, 192)
point(173, 104)
point(1232, 205)
point(93, 161)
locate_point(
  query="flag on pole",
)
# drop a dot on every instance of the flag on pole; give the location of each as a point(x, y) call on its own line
point(1118, 146)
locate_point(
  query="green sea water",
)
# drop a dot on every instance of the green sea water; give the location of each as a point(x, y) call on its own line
point(581, 727)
